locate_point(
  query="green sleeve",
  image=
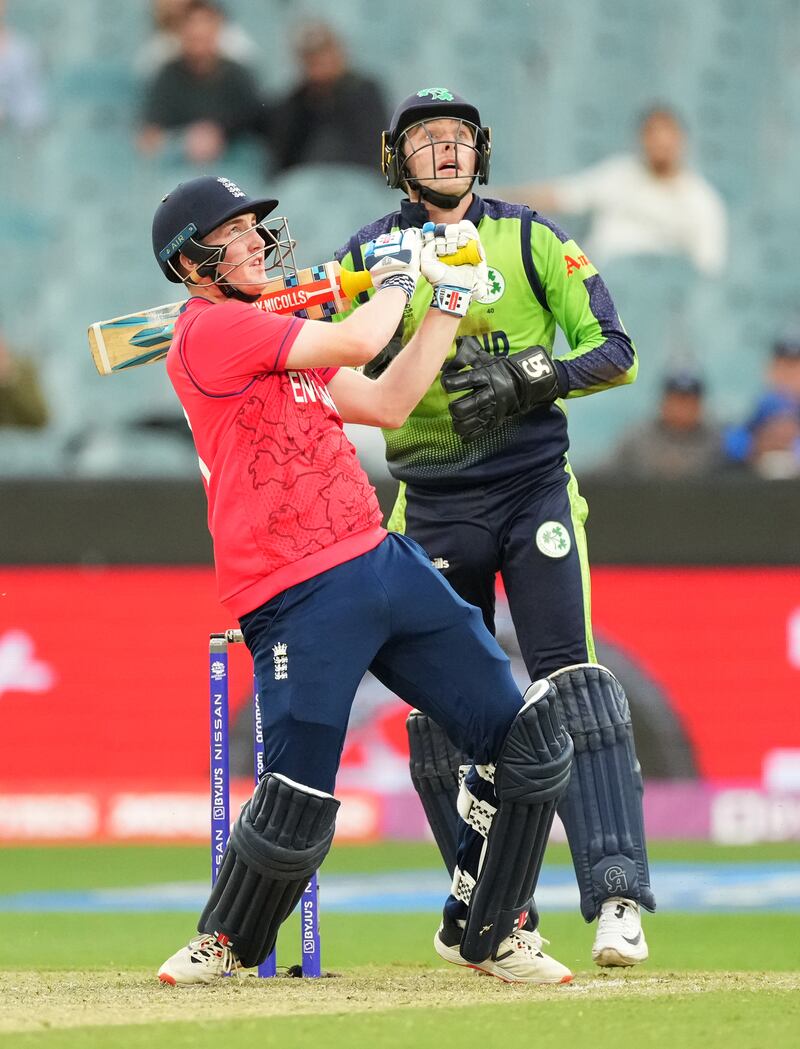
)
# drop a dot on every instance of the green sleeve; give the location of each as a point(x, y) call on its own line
point(601, 354)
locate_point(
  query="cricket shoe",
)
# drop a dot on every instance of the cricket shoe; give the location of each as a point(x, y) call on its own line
point(620, 937)
point(206, 958)
point(518, 959)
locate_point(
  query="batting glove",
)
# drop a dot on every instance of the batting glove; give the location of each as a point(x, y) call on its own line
point(393, 260)
point(453, 285)
point(495, 388)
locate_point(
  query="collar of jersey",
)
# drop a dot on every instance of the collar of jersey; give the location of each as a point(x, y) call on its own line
point(416, 214)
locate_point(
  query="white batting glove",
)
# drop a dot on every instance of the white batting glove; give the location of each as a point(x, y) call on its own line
point(393, 260)
point(453, 285)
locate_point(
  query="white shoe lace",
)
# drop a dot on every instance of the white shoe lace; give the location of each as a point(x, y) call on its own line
point(529, 941)
point(207, 947)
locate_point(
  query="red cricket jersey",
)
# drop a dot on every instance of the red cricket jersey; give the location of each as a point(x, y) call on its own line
point(287, 496)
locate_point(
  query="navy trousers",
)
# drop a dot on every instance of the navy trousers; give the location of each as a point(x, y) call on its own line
point(390, 612)
point(529, 528)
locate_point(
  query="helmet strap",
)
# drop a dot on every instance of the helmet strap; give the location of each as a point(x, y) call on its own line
point(445, 201)
point(230, 292)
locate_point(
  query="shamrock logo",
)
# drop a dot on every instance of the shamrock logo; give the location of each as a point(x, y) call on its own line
point(553, 539)
point(438, 94)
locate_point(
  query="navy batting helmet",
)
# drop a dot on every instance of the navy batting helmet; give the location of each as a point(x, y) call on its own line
point(430, 104)
point(191, 211)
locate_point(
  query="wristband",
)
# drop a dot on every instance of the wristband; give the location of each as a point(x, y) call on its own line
point(402, 281)
point(448, 299)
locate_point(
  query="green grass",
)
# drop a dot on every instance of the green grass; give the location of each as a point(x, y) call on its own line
point(730, 1012)
point(112, 940)
point(712, 1020)
point(96, 866)
point(26, 869)
point(683, 942)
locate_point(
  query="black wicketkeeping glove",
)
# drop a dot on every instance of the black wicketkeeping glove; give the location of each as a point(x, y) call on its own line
point(496, 387)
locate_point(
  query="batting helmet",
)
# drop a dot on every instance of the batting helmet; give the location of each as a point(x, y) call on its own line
point(430, 104)
point(191, 211)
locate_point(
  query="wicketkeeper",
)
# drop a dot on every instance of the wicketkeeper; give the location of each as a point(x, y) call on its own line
point(486, 487)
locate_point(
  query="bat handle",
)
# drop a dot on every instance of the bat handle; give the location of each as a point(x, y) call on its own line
point(353, 283)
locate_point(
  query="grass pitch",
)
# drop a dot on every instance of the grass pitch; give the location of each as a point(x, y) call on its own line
point(721, 981)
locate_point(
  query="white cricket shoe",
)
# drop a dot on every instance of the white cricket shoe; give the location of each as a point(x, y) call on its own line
point(620, 937)
point(206, 958)
point(518, 959)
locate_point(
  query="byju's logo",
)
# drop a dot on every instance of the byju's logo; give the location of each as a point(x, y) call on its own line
point(309, 939)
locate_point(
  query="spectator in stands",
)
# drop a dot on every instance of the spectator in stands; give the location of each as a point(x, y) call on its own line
point(334, 115)
point(642, 205)
point(22, 97)
point(783, 372)
point(680, 442)
point(207, 98)
point(768, 443)
point(164, 44)
point(22, 403)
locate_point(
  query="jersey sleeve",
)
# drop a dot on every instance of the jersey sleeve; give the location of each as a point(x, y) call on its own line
point(233, 341)
point(601, 354)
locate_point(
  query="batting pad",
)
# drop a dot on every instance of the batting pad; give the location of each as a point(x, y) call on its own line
point(281, 837)
point(434, 764)
point(531, 774)
point(602, 808)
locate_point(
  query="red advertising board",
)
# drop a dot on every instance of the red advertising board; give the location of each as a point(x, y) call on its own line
point(724, 644)
point(104, 690)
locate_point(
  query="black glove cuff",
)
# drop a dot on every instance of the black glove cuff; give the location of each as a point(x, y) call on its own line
point(562, 378)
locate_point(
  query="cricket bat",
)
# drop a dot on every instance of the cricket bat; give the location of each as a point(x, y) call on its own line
point(316, 292)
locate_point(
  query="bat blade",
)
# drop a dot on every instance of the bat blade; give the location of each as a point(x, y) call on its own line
point(140, 338)
point(316, 293)
point(134, 339)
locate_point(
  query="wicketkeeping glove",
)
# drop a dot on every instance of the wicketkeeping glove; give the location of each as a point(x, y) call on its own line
point(495, 388)
point(393, 260)
point(453, 286)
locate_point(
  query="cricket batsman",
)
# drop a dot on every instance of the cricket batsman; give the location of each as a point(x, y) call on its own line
point(304, 564)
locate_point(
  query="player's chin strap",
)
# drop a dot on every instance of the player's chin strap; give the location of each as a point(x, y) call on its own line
point(228, 290)
point(445, 201)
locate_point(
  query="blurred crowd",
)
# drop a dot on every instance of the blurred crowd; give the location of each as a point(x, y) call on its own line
point(22, 87)
point(684, 440)
point(200, 86)
point(201, 94)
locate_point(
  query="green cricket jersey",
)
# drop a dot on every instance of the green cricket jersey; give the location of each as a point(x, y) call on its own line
point(538, 278)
